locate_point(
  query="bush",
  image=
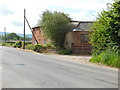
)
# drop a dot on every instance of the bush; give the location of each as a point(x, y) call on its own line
point(49, 46)
point(3, 44)
point(10, 42)
point(6, 44)
point(18, 44)
point(26, 43)
point(65, 52)
point(14, 45)
point(38, 47)
point(30, 47)
point(107, 57)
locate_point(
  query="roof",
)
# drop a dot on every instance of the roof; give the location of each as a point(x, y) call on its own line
point(83, 21)
point(37, 26)
point(78, 25)
point(82, 25)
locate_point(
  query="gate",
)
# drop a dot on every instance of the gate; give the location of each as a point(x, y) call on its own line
point(82, 49)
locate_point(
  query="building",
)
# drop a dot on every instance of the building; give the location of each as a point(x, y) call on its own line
point(78, 38)
point(39, 35)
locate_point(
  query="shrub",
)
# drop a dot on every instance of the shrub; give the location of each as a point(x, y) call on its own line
point(18, 44)
point(3, 44)
point(10, 42)
point(48, 46)
point(26, 43)
point(38, 47)
point(108, 57)
point(30, 47)
point(14, 45)
point(65, 52)
point(6, 44)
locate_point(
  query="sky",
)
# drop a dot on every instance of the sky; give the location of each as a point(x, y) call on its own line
point(12, 11)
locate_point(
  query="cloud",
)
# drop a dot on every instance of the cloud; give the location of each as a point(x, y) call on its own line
point(17, 23)
point(4, 11)
point(11, 11)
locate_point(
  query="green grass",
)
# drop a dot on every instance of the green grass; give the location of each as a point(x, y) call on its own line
point(107, 57)
point(65, 52)
point(1, 43)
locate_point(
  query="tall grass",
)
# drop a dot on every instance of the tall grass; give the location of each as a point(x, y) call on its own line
point(107, 57)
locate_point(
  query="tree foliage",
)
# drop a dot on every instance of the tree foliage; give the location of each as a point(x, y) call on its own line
point(106, 29)
point(55, 25)
point(13, 36)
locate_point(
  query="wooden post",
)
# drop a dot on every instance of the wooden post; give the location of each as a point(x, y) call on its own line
point(31, 31)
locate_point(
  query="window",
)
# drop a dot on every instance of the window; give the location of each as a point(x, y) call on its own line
point(84, 38)
point(39, 31)
point(40, 40)
point(34, 30)
point(45, 41)
point(35, 42)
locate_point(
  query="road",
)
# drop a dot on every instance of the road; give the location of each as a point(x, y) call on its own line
point(21, 69)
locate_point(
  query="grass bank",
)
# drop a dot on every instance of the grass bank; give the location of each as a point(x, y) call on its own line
point(109, 58)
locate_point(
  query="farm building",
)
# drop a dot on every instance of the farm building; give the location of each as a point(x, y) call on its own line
point(39, 34)
point(78, 39)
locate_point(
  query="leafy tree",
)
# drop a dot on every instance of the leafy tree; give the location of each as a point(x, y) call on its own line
point(13, 36)
point(55, 25)
point(27, 38)
point(1, 37)
point(106, 29)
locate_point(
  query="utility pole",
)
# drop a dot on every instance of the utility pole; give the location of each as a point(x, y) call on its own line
point(5, 33)
point(24, 31)
point(25, 20)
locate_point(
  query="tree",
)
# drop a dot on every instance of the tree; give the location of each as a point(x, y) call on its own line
point(13, 36)
point(106, 29)
point(2, 37)
point(55, 25)
point(27, 38)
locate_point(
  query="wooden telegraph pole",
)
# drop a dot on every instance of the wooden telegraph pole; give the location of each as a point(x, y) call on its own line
point(25, 20)
point(31, 31)
point(24, 30)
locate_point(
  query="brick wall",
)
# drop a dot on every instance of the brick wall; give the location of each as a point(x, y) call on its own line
point(39, 34)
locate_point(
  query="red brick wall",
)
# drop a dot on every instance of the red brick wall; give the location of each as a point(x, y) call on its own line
point(39, 34)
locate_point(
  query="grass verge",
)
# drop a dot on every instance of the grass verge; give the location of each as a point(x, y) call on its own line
point(107, 57)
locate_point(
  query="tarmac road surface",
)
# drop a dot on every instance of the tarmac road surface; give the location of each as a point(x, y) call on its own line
point(21, 69)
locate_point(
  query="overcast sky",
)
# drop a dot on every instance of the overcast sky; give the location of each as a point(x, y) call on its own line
point(11, 11)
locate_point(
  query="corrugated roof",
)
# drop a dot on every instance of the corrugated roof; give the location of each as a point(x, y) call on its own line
point(81, 21)
point(82, 25)
point(37, 26)
point(78, 25)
